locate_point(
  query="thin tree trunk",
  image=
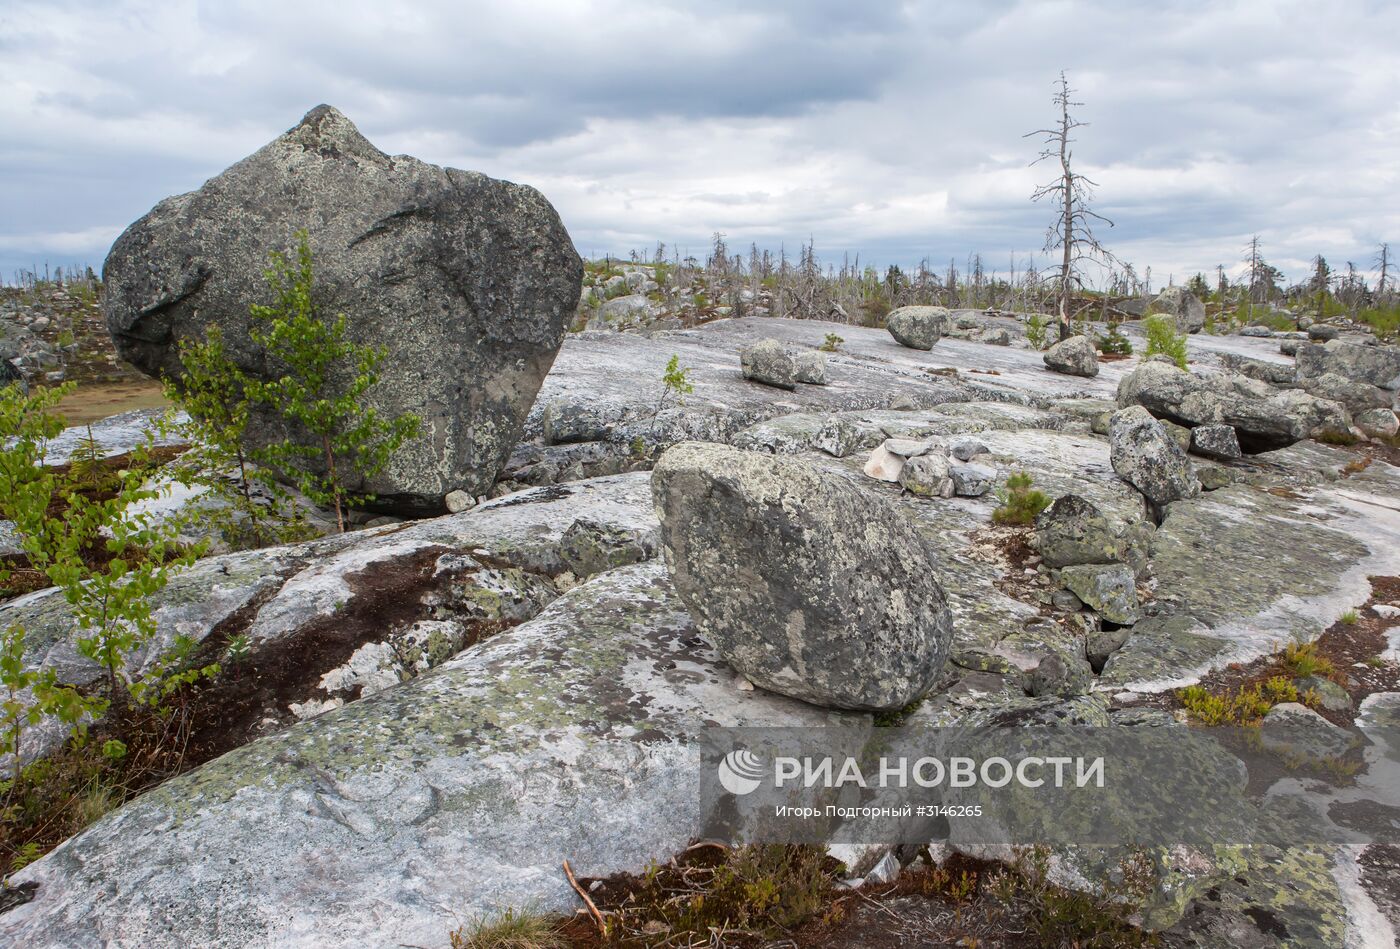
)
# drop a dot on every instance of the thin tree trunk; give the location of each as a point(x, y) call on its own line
point(335, 483)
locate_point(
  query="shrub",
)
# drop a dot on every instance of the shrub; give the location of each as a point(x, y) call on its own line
point(675, 385)
point(1114, 342)
point(1245, 706)
point(1020, 503)
point(1303, 660)
point(1163, 338)
point(215, 394)
point(763, 891)
point(831, 344)
point(1035, 331)
point(345, 434)
point(511, 929)
point(88, 537)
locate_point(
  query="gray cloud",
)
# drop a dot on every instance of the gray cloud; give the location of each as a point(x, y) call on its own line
point(891, 130)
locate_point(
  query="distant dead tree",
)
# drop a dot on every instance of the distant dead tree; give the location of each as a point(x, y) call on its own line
point(1385, 281)
point(1070, 193)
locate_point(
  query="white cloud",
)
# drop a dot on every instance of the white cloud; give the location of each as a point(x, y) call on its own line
point(893, 131)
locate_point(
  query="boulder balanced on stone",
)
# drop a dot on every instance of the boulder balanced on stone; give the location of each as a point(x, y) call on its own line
point(1149, 459)
point(467, 281)
point(918, 327)
point(1073, 357)
point(804, 582)
point(1183, 305)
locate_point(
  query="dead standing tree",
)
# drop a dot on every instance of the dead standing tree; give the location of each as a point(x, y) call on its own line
point(1072, 233)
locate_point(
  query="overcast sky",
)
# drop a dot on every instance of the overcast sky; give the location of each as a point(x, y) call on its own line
point(889, 130)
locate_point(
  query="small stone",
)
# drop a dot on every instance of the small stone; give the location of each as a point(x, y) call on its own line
point(809, 366)
point(1322, 332)
point(997, 338)
point(459, 501)
point(1214, 477)
point(1109, 589)
point(1295, 731)
point(769, 363)
point(1216, 441)
point(1066, 600)
point(589, 547)
point(1329, 694)
point(965, 449)
point(1289, 347)
point(1377, 423)
point(837, 437)
point(1099, 644)
point(1260, 332)
point(908, 447)
point(928, 476)
point(884, 465)
point(972, 481)
point(1179, 433)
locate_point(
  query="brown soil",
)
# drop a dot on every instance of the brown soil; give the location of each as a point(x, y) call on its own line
point(94, 401)
point(928, 907)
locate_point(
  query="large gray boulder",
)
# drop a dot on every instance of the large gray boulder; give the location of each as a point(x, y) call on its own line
point(1145, 456)
point(1073, 357)
point(1183, 306)
point(918, 327)
point(467, 281)
point(1264, 418)
point(1373, 365)
point(806, 583)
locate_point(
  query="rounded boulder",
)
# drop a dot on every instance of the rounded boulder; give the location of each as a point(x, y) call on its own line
point(807, 584)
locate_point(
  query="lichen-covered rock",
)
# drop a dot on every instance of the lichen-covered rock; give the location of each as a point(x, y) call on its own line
point(1263, 417)
point(468, 281)
point(1108, 589)
point(1075, 356)
point(918, 327)
point(809, 366)
point(928, 475)
point(768, 361)
point(1073, 531)
point(1215, 441)
point(966, 449)
point(1377, 423)
point(1149, 459)
point(837, 437)
point(972, 481)
point(1373, 365)
point(1183, 306)
point(1356, 396)
point(590, 547)
point(574, 734)
point(806, 583)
